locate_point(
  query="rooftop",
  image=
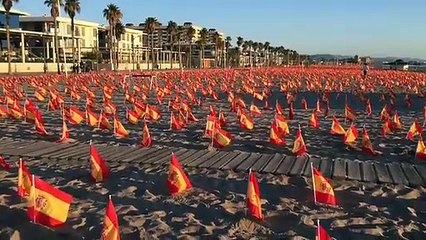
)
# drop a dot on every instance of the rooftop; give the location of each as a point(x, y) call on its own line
point(14, 11)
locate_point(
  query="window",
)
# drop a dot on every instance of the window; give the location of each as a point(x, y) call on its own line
point(95, 32)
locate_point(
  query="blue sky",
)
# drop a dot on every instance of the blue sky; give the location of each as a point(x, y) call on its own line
point(364, 27)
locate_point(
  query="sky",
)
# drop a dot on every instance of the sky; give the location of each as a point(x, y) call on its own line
point(365, 27)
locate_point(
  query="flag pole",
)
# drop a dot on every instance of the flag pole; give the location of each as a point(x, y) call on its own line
point(213, 132)
point(34, 196)
point(318, 229)
point(313, 182)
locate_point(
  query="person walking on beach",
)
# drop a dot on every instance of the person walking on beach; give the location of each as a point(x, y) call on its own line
point(365, 70)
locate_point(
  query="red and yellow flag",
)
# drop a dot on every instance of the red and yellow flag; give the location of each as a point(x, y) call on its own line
point(177, 181)
point(210, 125)
point(174, 122)
point(313, 121)
point(336, 127)
point(24, 180)
point(368, 108)
point(98, 167)
point(323, 191)
point(278, 109)
point(4, 164)
point(254, 206)
point(299, 147)
point(366, 144)
point(415, 129)
point(304, 104)
point(350, 136)
point(48, 205)
point(387, 127)
point(221, 138)
point(349, 113)
point(282, 124)
point(421, 149)
point(255, 110)
point(152, 113)
point(318, 106)
point(65, 133)
point(275, 136)
point(132, 116)
point(146, 136)
point(76, 116)
point(39, 124)
point(246, 122)
point(103, 122)
point(110, 229)
point(119, 130)
point(321, 233)
point(396, 122)
point(91, 118)
point(385, 113)
point(222, 120)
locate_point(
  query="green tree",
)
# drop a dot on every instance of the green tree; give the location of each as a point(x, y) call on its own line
point(171, 31)
point(240, 42)
point(72, 7)
point(7, 4)
point(54, 6)
point(190, 34)
point(119, 30)
point(202, 41)
point(151, 25)
point(227, 46)
point(177, 37)
point(112, 13)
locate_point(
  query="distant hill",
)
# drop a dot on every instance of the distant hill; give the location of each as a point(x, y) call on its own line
point(319, 57)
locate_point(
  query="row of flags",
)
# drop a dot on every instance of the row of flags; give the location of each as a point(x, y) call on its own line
point(49, 206)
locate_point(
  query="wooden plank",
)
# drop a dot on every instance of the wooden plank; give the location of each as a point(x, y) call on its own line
point(220, 162)
point(397, 174)
point(316, 162)
point(273, 164)
point(421, 169)
point(353, 170)
point(162, 153)
point(139, 154)
point(122, 151)
point(250, 160)
point(27, 149)
point(65, 151)
point(166, 161)
point(53, 148)
point(19, 145)
point(210, 161)
point(242, 158)
point(83, 150)
point(9, 144)
point(259, 163)
point(413, 177)
point(368, 173)
point(286, 165)
point(339, 167)
point(194, 157)
point(326, 167)
point(298, 166)
point(202, 159)
point(382, 173)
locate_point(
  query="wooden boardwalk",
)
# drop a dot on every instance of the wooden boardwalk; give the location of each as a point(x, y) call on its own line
point(279, 164)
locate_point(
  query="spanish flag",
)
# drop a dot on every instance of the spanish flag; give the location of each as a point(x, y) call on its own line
point(110, 229)
point(349, 113)
point(278, 109)
point(255, 110)
point(323, 191)
point(98, 167)
point(76, 116)
point(350, 136)
point(290, 112)
point(174, 122)
point(212, 111)
point(48, 205)
point(132, 117)
point(274, 136)
point(321, 233)
point(421, 149)
point(304, 104)
point(266, 105)
point(15, 112)
point(282, 124)
point(210, 125)
point(91, 118)
point(139, 107)
point(39, 96)
point(221, 138)
point(24, 180)
point(367, 146)
point(146, 136)
point(396, 123)
point(119, 129)
point(191, 117)
point(415, 129)
point(299, 147)
point(152, 113)
point(246, 122)
point(336, 127)
point(386, 127)
point(177, 181)
point(65, 133)
point(222, 120)
point(39, 124)
point(254, 206)
point(313, 121)
point(3, 112)
point(4, 164)
point(318, 107)
point(384, 114)
point(368, 108)
point(103, 122)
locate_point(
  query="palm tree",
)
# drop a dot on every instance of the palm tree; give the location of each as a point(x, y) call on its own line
point(151, 24)
point(54, 6)
point(240, 42)
point(255, 47)
point(72, 7)
point(202, 41)
point(267, 45)
point(119, 30)
point(113, 15)
point(250, 48)
point(227, 46)
point(190, 33)
point(217, 41)
point(7, 4)
point(177, 37)
point(171, 30)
